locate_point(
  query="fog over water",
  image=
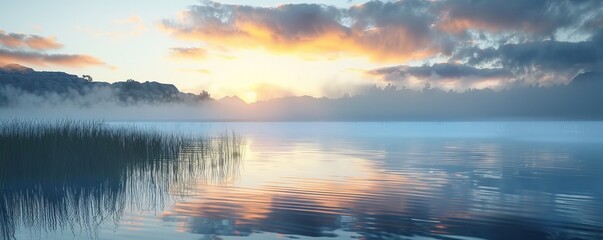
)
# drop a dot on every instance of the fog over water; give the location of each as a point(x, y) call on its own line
point(463, 180)
point(576, 101)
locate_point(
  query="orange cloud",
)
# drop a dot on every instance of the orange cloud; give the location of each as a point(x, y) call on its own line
point(311, 30)
point(42, 59)
point(460, 25)
point(17, 40)
point(197, 70)
point(40, 43)
point(203, 71)
point(138, 26)
point(13, 52)
point(188, 53)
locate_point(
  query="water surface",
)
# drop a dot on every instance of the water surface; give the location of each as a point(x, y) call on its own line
point(490, 180)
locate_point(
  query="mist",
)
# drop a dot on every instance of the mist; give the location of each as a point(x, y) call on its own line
point(25, 93)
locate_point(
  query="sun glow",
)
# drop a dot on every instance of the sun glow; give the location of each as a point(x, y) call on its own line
point(249, 97)
point(258, 74)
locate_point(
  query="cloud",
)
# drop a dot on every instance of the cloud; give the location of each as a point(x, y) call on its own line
point(538, 18)
point(445, 70)
point(12, 51)
point(382, 31)
point(444, 75)
point(44, 59)
point(136, 23)
point(35, 42)
point(547, 55)
point(197, 70)
point(203, 71)
point(188, 53)
point(535, 42)
point(543, 62)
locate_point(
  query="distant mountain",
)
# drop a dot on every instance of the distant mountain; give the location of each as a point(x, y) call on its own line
point(582, 99)
point(25, 92)
point(59, 84)
point(234, 101)
point(15, 68)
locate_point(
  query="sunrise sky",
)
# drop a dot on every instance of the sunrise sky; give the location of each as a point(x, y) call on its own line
point(265, 49)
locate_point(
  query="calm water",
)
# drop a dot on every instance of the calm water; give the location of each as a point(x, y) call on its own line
point(517, 180)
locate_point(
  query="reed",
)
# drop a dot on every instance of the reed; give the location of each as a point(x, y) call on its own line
point(81, 174)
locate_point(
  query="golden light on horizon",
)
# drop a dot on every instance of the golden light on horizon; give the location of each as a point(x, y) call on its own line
point(249, 97)
point(257, 74)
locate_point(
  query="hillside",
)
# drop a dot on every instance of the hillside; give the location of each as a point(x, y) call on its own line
point(26, 81)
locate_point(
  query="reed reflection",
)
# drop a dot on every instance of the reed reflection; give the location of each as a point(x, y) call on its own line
point(73, 175)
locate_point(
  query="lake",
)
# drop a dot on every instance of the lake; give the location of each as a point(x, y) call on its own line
point(331, 180)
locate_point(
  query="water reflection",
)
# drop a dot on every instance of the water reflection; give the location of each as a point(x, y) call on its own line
point(330, 181)
point(433, 187)
point(79, 175)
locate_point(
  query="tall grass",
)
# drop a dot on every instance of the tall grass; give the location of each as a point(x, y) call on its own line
point(81, 174)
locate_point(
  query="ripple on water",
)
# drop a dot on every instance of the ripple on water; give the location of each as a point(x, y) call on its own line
point(379, 185)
